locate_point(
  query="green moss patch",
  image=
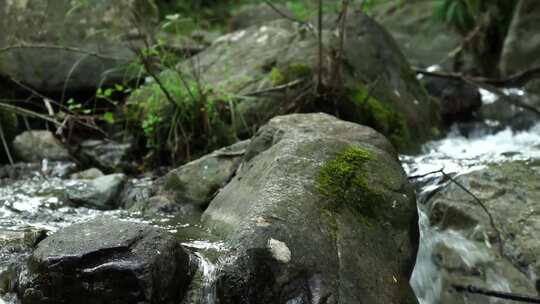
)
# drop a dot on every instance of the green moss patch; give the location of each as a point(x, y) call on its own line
point(382, 118)
point(343, 180)
point(290, 73)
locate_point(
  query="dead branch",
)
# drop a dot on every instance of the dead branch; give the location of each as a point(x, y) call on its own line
point(320, 41)
point(485, 83)
point(496, 294)
point(286, 16)
point(276, 88)
point(62, 48)
point(5, 145)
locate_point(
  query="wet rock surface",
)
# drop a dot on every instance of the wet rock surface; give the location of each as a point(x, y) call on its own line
point(107, 260)
point(34, 146)
point(101, 193)
point(290, 243)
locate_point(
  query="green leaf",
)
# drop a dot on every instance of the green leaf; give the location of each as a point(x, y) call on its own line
point(109, 117)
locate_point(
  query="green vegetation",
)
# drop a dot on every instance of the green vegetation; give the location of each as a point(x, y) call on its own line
point(196, 120)
point(343, 180)
point(291, 73)
point(381, 117)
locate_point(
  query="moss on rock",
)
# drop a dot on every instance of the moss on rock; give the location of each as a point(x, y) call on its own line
point(290, 73)
point(382, 117)
point(344, 182)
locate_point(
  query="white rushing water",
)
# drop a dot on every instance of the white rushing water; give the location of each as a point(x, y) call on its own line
point(459, 155)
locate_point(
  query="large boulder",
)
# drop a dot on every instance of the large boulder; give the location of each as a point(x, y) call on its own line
point(320, 212)
point(107, 260)
point(466, 250)
point(267, 70)
point(57, 44)
point(36, 145)
point(424, 41)
point(522, 44)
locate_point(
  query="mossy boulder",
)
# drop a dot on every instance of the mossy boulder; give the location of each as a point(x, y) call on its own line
point(272, 69)
point(73, 45)
point(319, 209)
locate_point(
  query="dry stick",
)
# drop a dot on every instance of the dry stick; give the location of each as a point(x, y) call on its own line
point(478, 201)
point(496, 294)
point(470, 36)
point(37, 115)
point(282, 14)
point(482, 83)
point(276, 88)
point(320, 38)
point(6, 147)
point(59, 47)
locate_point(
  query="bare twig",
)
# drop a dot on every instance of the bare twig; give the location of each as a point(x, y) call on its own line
point(63, 48)
point(5, 145)
point(320, 40)
point(284, 15)
point(484, 84)
point(496, 294)
point(276, 88)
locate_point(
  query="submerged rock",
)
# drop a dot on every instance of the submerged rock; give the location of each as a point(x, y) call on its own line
point(107, 260)
point(320, 212)
point(101, 193)
point(34, 146)
point(471, 254)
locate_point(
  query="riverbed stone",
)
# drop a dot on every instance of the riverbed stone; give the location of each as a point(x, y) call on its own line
point(320, 212)
point(511, 194)
point(101, 193)
point(257, 15)
point(107, 155)
point(106, 260)
point(36, 145)
point(91, 173)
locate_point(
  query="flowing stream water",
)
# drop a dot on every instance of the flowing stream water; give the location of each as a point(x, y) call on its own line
point(460, 155)
point(36, 203)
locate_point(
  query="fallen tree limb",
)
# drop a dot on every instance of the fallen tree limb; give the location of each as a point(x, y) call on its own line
point(62, 48)
point(487, 84)
point(496, 294)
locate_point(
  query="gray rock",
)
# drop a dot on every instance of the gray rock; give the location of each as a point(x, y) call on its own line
point(295, 238)
point(198, 181)
point(61, 40)
point(91, 173)
point(107, 260)
point(522, 43)
point(101, 193)
point(511, 194)
point(107, 155)
point(34, 146)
